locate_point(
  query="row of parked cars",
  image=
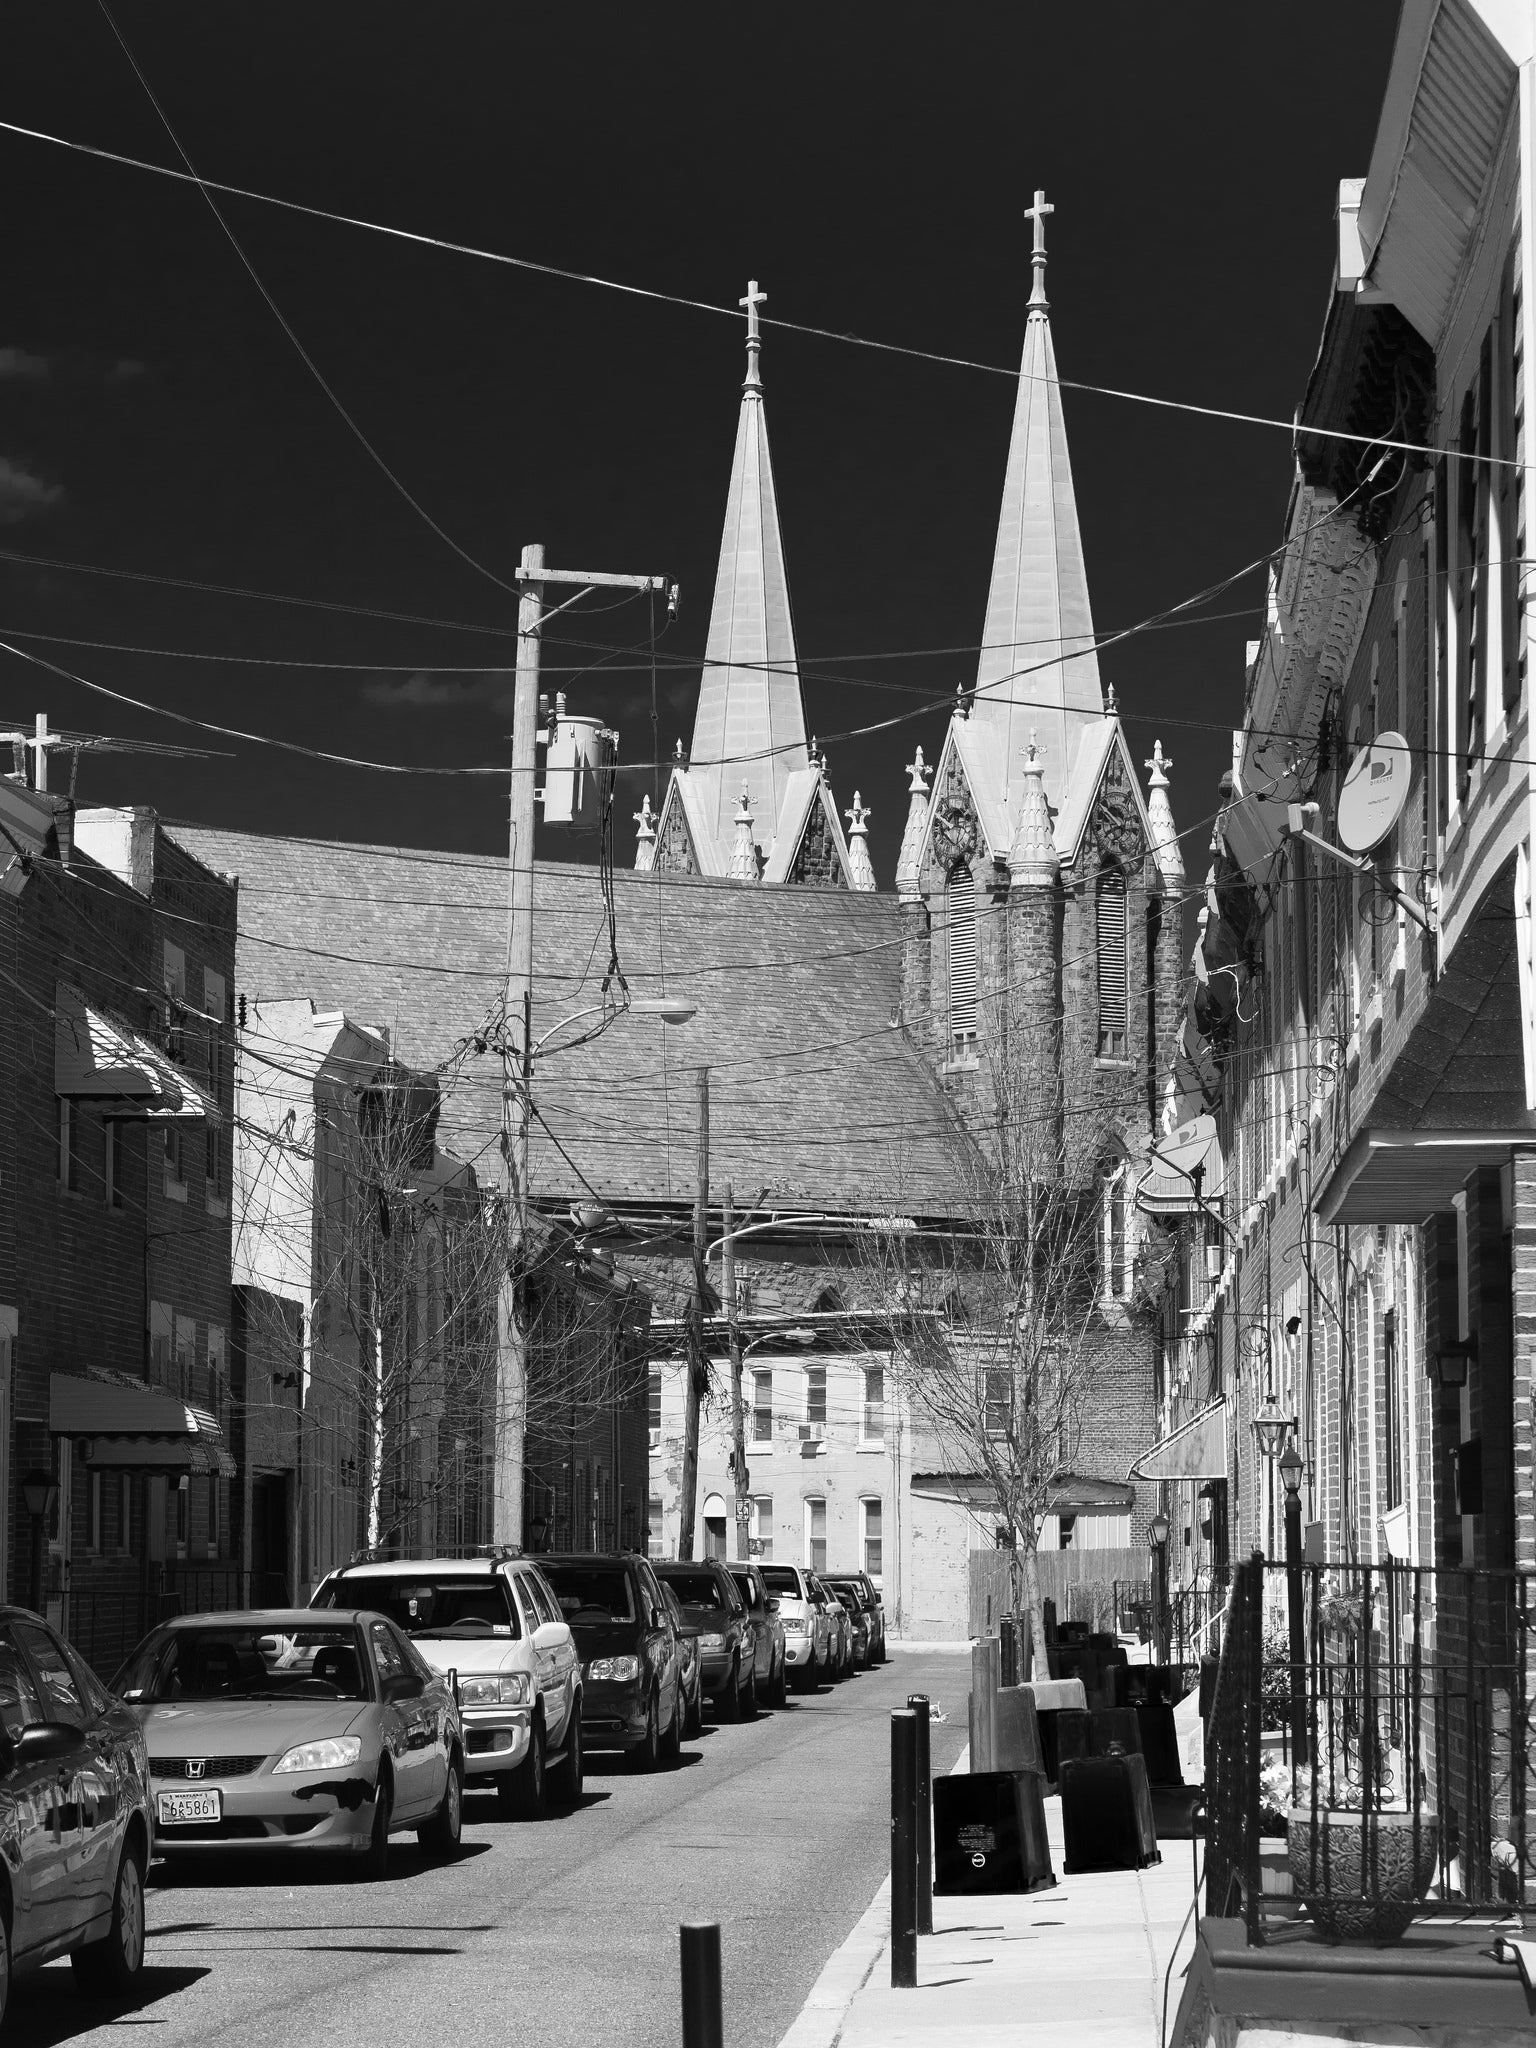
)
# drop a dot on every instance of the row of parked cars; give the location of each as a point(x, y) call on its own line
point(331, 1728)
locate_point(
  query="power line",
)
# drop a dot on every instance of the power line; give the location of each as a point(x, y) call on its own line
point(847, 337)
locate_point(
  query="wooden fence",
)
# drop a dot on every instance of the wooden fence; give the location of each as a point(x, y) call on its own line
point(1087, 1585)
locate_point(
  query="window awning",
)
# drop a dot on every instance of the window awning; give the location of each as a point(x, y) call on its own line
point(1168, 1187)
point(1391, 1176)
point(98, 1059)
point(1197, 1449)
point(127, 1426)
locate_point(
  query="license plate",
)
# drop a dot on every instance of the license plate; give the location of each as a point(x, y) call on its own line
point(185, 1806)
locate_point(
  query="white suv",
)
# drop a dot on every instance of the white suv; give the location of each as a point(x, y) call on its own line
point(807, 1636)
point(494, 1625)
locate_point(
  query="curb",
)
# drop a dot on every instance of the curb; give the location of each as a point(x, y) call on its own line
point(847, 1970)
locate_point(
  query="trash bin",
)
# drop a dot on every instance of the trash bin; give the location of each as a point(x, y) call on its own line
point(1106, 1814)
point(989, 1833)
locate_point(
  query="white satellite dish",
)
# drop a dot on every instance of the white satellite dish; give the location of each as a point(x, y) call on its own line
point(1374, 793)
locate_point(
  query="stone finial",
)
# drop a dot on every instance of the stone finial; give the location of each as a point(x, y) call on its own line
point(1111, 708)
point(1165, 837)
point(916, 830)
point(1032, 857)
point(645, 838)
point(860, 868)
point(744, 850)
point(679, 751)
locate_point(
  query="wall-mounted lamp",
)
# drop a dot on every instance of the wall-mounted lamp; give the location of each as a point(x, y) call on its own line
point(1450, 1364)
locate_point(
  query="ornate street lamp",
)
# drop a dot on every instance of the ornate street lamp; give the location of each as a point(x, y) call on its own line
point(1157, 1542)
point(1271, 1427)
point(39, 1491)
point(1290, 1473)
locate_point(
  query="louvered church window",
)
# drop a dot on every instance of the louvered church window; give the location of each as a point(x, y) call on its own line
point(1113, 935)
point(960, 926)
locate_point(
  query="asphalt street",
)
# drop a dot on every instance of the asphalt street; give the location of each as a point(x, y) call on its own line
point(565, 1931)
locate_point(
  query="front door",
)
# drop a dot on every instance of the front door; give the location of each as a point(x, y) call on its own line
point(270, 1583)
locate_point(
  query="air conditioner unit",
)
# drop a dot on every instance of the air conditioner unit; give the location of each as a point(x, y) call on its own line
point(807, 1431)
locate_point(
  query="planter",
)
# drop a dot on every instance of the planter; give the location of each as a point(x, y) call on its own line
point(1275, 1867)
point(1359, 1870)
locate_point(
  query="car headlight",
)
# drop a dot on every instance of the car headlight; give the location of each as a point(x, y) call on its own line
point(624, 1670)
point(711, 1642)
point(794, 1628)
point(334, 1754)
point(510, 1690)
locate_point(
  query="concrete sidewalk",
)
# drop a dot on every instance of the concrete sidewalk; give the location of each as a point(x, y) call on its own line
point(1083, 1963)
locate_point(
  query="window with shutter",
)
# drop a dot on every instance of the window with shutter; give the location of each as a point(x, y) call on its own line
point(1113, 950)
point(960, 928)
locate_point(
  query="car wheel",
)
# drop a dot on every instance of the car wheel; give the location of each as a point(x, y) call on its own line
point(749, 1703)
point(648, 1753)
point(524, 1792)
point(693, 1722)
point(372, 1867)
point(730, 1699)
point(672, 1741)
point(441, 1833)
point(112, 1965)
point(566, 1786)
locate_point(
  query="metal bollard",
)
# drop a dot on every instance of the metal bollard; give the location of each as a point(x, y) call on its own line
point(904, 1849)
point(703, 2016)
point(919, 1703)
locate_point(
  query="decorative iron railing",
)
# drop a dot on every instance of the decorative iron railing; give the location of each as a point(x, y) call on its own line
point(1374, 1767)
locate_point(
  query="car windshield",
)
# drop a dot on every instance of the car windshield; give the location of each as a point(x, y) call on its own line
point(459, 1608)
point(780, 1578)
point(230, 1661)
point(695, 1588)
point(590, 1592)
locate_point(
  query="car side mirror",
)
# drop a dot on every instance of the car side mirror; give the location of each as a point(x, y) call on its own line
point(43, 1740)
point(402, 1685)
point(773, 1606)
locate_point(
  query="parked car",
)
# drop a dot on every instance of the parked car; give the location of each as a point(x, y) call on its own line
point(767, 1633)
point(690, 1664)
point(840, 1630)
point(708, 1597)
point(74, 1815)
point(852, 1606)
point(874, 1611)
point(492, 1624)
point(631, 1666)
point(807, 1630)
point(291, 1730)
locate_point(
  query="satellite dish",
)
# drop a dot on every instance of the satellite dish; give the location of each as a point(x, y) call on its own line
point(1374, 793)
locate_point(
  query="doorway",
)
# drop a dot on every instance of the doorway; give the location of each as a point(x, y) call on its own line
point(270, 1581)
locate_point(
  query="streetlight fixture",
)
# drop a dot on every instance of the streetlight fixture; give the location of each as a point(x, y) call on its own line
point(1271, 1427)
point(1157, 1542)
point(39, 1491)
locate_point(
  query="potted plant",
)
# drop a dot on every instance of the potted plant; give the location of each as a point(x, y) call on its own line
point(1363, 1869)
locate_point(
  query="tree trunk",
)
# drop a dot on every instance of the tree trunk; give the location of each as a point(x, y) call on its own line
point(1034, 1606)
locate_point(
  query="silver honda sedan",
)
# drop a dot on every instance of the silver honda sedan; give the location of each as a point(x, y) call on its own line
point(282, 1730)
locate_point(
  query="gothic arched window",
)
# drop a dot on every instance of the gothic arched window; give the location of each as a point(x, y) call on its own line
point(1113, 959)
point(961, 957)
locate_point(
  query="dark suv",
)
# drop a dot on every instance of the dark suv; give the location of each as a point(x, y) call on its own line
point(868, 1596)
point(709, 1599)
point(631, 1698)
point(767, 1633)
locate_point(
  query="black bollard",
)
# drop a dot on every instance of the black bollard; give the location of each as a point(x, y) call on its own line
point(703, 2020)
point(904, 1849)
point(918, 1702)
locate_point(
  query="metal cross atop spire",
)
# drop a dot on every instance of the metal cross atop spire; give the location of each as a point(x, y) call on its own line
point(1037, 214)
point(752, 301)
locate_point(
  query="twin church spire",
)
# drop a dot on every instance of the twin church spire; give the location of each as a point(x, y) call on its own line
point(750, 802)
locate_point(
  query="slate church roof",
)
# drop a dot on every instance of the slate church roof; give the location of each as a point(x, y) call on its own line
point(816, 1096)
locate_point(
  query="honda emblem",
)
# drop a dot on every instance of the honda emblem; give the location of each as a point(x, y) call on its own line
point(196, 1765)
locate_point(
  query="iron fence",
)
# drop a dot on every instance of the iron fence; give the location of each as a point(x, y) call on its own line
point(1381, 1773)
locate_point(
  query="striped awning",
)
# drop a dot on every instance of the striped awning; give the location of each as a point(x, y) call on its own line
point(125, 1426)
point(99, 1059)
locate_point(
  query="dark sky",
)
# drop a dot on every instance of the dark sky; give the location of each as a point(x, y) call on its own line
point(868, 164)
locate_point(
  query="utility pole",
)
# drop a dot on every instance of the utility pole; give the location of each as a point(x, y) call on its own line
point(517, 1031)
point(698, 1361)
point(738, 1426)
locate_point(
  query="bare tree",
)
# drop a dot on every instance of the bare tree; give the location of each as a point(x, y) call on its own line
point(995, 1318)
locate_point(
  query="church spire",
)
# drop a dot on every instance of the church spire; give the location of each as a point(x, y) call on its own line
point(1038, 668)
point(861, 871)
point(1165, 837)
point(751, 720)
point(907, 869)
